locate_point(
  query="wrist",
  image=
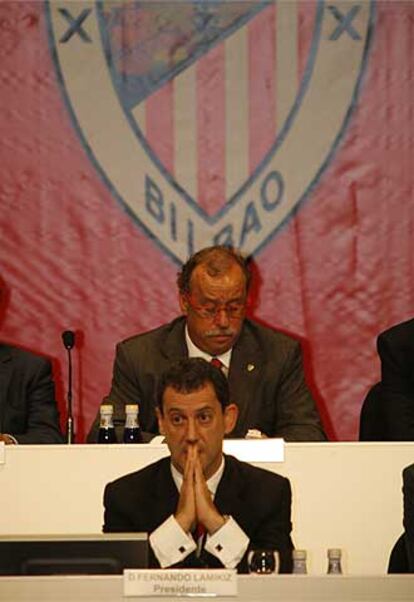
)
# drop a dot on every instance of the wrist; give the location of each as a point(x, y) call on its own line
point(185, 523)
point(216, 524)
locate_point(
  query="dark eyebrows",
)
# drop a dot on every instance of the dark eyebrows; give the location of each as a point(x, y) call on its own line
point(205, 408)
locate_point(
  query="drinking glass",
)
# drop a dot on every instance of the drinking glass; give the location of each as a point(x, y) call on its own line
point(263, 562)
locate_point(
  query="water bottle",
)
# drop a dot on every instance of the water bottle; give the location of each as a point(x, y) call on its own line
point(299, 562)
point(334, 561)
point(106, 427)
point(132, 431)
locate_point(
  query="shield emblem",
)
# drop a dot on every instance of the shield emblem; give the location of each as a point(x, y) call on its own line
point(210, 121)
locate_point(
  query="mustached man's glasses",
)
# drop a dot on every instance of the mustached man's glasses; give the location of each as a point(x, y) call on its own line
point(210, 311)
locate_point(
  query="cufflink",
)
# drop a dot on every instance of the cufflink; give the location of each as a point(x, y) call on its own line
point(181, 549)
point(219, 547)
point(250, 367)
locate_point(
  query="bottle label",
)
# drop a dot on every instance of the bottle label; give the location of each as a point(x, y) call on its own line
point(131, 421)
point(299, 567)
point(106, 421)
point(334, 567)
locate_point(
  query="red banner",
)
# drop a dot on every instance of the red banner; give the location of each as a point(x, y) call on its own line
point(133, 135)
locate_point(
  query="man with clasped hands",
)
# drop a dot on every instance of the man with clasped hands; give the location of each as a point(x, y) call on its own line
point(264, 366)
point(200, 507)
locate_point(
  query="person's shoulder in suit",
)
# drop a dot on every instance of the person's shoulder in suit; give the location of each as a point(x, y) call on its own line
point(266, 332)
point(270, 340)
point(399, 333)
point(396, 351)
point(130, 499)
point(408, 518)
point(408, 475)
point(21, 357)
point(255, 478)
point(141, 480)
point(154, 337)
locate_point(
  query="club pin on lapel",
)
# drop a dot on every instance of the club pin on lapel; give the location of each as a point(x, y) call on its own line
point(250, 367)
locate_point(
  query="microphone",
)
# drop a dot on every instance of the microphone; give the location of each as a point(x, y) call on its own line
point(68, 338)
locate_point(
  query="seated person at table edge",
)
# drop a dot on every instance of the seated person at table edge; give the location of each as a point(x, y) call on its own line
point(28, 410)
point(408, 489)
point(396, 351)
point(264, 366)
point(200, 507)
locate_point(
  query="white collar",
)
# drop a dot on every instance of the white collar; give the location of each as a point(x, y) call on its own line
point(194, 351)
point(212, 483)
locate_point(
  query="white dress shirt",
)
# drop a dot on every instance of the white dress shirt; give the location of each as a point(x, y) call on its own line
point(171, 544)
point(194, 351)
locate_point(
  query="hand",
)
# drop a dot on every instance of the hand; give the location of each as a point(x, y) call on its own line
point(185, 514)
point(7, 440)
point(255, 434)
point(206, 511)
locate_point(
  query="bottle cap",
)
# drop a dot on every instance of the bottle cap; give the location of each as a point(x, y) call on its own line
point(106, 408)
point(299, 554)
point(131, 408)
point(334, 553)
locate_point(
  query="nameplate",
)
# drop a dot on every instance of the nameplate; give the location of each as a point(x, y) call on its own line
point(252, 449)
point(180, 582)
point(256, 450)
point(2, 446)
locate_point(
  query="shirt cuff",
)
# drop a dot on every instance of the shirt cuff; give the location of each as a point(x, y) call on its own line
point(228, 544)
point(170, 543)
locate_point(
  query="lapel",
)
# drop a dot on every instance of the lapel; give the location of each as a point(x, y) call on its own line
point(230, 494)
point(6, 366)
point(175, 345)
point(165, 495)
point(246, 369)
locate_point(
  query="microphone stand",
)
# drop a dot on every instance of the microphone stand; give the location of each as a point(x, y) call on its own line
point(69, 341)
point(70, 435)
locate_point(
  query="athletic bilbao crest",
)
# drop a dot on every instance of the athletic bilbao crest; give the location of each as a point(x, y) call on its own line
point(210, 121)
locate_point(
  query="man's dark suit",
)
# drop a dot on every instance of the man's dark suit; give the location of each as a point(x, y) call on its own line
point(266, 381)
point(28, 408)
point(258, 500)
point(396, 350)
point(408, 490)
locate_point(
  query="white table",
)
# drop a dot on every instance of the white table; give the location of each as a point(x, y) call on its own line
point(282, 588)
point(345, 495)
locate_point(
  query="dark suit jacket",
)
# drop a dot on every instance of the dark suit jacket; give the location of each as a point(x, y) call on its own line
point(372, 422)
point(257, 499)
point(396, 350)
point(28, 408)
point(266, 381)
point(408, 490)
